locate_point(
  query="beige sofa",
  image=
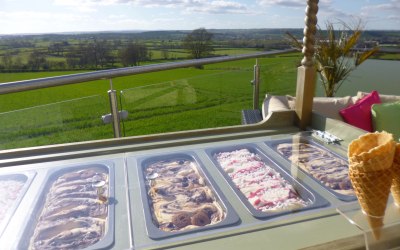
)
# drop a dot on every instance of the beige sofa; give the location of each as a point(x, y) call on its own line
point(326, 106)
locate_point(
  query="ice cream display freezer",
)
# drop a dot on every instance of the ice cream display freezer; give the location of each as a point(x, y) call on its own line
point(217, 192)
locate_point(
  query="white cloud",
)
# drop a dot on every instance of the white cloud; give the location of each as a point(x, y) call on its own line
point(382, 13)
point(220, 7)
point(84, 5)
point(204, 6)
point(142, 3)
point(117, 17)
point(296, 4)
point(32, 21)
point(124, 21)
point(327, 11)
point(284, 3)
point(91, 15)
point(42, 16)
point(158, 3)
point(392, 6)
point(394, 17)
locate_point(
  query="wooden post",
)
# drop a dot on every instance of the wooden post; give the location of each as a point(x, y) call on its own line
point(306, 73)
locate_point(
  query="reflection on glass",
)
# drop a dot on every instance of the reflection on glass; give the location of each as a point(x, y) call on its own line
point(208, 101)
point(62, 122)
point(213, 98)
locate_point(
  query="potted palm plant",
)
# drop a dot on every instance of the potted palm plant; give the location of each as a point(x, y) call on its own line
point(335, 55)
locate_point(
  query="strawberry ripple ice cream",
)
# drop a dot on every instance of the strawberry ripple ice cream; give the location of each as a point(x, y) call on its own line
point(263, 186)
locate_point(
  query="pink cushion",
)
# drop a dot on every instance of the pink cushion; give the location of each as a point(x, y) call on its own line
point(359, 114)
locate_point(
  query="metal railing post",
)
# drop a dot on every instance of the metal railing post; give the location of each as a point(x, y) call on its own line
point(112, 95)
point(256, 85)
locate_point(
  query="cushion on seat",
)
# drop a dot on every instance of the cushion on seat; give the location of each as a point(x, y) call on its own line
point(383, 98)
point(274, 103)
point(359, 114)
point(326, 106)
point(386, 116)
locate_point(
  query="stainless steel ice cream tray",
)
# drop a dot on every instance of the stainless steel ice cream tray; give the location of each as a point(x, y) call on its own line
point(74, 201)
point(7, 210)
point(336, 179)
point(166, 190)
point(311, 198)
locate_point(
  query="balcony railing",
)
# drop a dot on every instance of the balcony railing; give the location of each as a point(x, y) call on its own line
point(153, 108)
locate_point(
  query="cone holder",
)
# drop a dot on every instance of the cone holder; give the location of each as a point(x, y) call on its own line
point(389, 233)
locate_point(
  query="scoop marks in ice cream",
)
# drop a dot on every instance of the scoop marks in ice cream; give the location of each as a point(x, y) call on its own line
point(330, 170)
point(72, 216)
point(179, 196)
point(262, 185)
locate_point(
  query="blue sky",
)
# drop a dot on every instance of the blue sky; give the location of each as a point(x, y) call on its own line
point(49, 16)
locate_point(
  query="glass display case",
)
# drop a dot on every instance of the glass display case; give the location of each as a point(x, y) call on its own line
point(208, 191)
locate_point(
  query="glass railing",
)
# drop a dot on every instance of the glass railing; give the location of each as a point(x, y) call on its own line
point(62, 122)
point(173, 100)
point(206, 101)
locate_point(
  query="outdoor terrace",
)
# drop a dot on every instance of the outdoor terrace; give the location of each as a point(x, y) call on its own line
point(123, 150)
point(326, 224)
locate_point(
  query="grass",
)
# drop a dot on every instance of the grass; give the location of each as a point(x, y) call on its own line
point(74, 120)
point(389, 56)
point(174, 100)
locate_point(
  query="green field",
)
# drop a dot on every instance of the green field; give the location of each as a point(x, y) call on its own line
point(174, 100)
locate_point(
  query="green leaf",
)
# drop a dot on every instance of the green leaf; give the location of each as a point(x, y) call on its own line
point(295, 43)
point(365, 55)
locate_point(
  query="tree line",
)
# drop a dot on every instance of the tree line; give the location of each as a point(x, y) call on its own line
point(95, 54)
point(89, 51)
point(99, 53)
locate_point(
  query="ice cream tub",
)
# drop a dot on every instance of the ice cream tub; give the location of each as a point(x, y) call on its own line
point(74, 209)
point(179, 197)
point(12, 190)
point(264, 188)
point(326, 167)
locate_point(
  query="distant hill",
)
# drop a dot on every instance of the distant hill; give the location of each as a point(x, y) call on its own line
point(382, 36)
point(95, 50)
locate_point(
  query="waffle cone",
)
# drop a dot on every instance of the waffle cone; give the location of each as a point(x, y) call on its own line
point(372, 151)
point(370, 172)
point(372, 190)
point(396, 176)
point(376, 224)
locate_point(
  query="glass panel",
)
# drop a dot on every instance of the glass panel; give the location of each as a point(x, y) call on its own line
point(206, 101)
point(62, 122)
point(278, 75)
point(212, 96)
point(214, 99)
